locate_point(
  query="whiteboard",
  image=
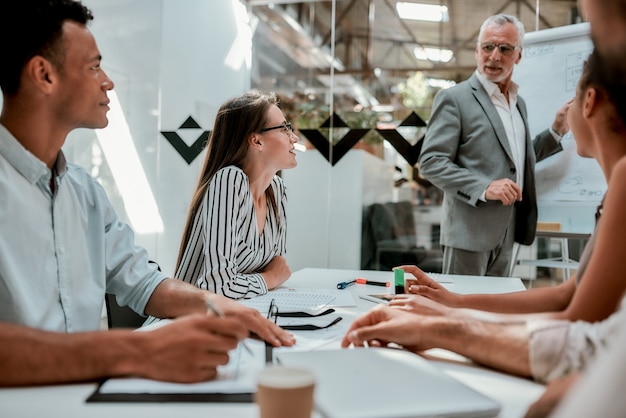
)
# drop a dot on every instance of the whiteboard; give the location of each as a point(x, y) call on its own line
point(569, 187)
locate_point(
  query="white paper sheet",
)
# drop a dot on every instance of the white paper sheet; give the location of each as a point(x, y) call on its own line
point(238, 376)
point(300, 300)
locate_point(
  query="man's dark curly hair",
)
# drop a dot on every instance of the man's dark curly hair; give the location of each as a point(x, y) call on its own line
point(33, 27)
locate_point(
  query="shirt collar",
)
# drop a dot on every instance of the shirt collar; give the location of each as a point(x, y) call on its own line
point(24, 162)
point(492, 88)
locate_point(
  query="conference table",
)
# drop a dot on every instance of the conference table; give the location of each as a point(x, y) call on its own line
point(515, 394)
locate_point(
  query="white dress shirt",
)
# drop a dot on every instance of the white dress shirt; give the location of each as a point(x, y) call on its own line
point(512, 121)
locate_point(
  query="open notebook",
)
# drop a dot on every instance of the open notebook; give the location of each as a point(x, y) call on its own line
point(386, 383)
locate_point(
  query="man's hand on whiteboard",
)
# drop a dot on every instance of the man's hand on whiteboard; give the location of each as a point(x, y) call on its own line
point(560, 126)
point(504, 190)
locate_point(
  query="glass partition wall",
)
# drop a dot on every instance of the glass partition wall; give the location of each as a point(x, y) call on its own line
point(173, 64)
point(353, 194)
point(357, 78)
point(354, 77)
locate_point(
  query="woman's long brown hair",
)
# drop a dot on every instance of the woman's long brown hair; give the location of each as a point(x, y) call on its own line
point(236, 120)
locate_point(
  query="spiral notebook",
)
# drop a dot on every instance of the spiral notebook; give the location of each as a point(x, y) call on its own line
point(293, 300)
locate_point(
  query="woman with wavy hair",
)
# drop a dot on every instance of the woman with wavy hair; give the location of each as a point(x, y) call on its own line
point(234, 238)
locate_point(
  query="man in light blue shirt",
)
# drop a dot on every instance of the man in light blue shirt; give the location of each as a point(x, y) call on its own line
point(72, 235)
point(62, 246)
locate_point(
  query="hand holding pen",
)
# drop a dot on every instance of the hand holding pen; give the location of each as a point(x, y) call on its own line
point(211, 307)
point(257, 324)
point(188, 349)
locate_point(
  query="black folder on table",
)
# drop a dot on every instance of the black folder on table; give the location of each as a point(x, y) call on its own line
point(98, 396)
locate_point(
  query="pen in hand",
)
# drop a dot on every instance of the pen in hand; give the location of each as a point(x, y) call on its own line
point(211, 307)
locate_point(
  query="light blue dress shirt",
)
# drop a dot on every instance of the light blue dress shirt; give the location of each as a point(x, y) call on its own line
point(60, 253)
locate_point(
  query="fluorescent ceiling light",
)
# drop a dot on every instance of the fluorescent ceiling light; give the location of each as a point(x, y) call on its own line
point(419, 11)
point(119, 149)
point(443, 84)
point(433, 54)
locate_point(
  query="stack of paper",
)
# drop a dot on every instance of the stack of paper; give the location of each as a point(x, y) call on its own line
point(292, 300)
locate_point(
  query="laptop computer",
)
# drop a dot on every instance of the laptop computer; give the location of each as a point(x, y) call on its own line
point(386, 383)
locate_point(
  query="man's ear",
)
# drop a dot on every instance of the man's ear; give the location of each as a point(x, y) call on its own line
point(41, 73)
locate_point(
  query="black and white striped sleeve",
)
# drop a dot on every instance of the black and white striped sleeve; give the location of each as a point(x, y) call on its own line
point(281, 198)
point(225, 219)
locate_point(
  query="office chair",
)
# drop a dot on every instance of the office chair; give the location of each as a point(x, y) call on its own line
point(121, 316)
point(391, 229)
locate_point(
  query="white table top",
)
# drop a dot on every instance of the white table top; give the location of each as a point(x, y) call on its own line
point(513, 393)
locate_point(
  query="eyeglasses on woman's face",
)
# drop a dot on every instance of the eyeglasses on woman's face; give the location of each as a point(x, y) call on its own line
point(286, 127)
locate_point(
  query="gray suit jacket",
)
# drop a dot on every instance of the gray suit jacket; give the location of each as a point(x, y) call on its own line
point(464, 150)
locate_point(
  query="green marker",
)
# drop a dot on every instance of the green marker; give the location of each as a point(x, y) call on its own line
point(398, 278)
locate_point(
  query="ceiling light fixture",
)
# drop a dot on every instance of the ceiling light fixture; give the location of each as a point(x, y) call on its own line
point(433, 54)
point(439, 83)
point(420, 11)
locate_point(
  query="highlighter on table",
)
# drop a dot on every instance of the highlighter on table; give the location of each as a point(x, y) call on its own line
point(343, 285)
point(361, 280)
point(398, 278)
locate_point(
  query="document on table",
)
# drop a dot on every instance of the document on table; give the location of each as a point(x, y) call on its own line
point(384, 383)
point(235, 382)
point(441, 278)
point(300, 300)
point(313, 340)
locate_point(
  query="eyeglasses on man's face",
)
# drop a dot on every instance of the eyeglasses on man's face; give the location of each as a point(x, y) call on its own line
point(286, 128)
point(505, 49)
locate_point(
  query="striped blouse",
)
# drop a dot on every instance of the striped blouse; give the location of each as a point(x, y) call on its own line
point(225, 253)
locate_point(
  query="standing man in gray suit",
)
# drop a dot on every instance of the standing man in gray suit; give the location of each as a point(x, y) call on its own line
point(478, 150)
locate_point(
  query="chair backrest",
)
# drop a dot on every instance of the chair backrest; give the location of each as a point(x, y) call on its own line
point(390, 226)
point(368, 242)
point(121, 316)
point(382, 221)
point(403, 218)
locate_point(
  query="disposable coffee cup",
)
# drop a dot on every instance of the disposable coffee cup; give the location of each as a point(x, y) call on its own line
point(285, 392)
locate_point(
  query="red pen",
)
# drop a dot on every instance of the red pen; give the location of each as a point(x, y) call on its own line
point(361, 280)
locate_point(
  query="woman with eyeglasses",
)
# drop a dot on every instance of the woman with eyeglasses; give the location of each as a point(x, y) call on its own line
point(234, 238)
